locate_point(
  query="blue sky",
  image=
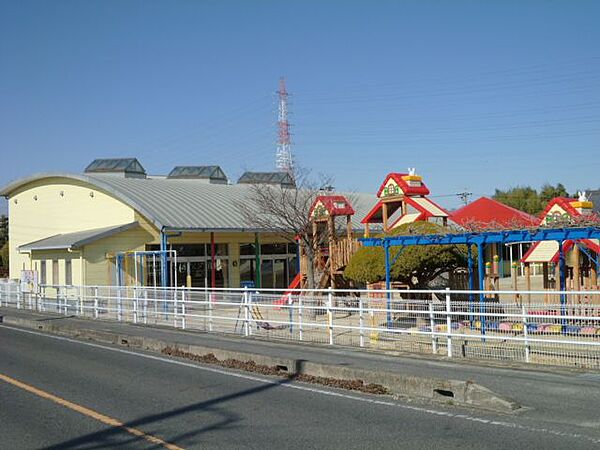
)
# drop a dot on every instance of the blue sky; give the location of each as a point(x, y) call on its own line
point(474, 94)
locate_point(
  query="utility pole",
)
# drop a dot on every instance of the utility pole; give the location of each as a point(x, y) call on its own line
point(464, 196)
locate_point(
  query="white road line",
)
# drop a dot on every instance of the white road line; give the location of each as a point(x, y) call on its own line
point(450, 415)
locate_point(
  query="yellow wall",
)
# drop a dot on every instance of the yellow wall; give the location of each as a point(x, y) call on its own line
point(97, 267)
point(61, 257)
point(53, 213)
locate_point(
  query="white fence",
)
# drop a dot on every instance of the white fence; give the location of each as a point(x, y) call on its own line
point(456, 324)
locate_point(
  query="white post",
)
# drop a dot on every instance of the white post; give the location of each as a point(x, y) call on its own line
point(175, 306)
point(246, 312)
point(43, 299)
point(448, 323)
point(145, 306)
point(96, 302)
point(432, 326)
point(80, 290)
point(208, 299)
point(65, 302)
point(330, 314)
point(135, 306)
point(300, 313)
point(19, 296)
point(525, 332)
point(182, 309)
point(119, 305)
point(361, 322)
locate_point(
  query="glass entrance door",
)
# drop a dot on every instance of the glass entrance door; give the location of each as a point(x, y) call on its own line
point(197, 271)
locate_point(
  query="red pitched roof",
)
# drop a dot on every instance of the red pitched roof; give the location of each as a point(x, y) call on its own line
point(564, 203)
point(408, 190)
point(333, 204)
point(488, 211)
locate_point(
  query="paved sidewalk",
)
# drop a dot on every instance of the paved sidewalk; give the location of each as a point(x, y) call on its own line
point(551, 394)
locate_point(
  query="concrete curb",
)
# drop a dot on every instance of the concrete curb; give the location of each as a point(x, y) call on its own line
point(457, 392)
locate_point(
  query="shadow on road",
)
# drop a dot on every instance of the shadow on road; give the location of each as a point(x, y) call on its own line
point(118, 437)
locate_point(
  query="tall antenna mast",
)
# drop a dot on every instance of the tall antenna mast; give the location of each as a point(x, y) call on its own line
point(284, 159)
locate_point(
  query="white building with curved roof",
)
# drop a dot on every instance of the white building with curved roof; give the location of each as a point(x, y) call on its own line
point(70, 228)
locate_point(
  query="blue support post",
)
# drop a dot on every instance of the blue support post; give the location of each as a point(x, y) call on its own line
point(386, 248)
point(471, 282)
point(119, 277)
point(163, 260)
point(563, 281)
point(481, 270)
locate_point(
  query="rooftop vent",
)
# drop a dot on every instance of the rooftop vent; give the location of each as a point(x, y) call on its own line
point(281, 178)
point(127, 167)
point(208, 174)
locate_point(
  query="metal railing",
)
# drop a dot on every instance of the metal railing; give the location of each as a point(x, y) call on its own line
point(456, 324)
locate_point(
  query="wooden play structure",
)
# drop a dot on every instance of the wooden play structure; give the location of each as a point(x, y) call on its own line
point(403, 199)
point(333, 241)
point(580, 257)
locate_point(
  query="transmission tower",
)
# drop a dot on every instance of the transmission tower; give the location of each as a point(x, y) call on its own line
point(284, 159)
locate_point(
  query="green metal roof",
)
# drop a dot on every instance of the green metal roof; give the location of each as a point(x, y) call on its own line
point(116, 165)
point(69, 241)
point(209, 172)
point(281, 178)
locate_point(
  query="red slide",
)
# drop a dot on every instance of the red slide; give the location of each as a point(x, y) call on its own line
point(293, 285)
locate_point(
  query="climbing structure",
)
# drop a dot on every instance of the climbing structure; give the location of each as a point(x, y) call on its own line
point(581, 257)
point(403, 199)
point(332, 247)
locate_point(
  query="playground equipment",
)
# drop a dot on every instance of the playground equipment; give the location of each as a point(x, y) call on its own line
point(332, 249)
point(579, 258)
point(403, 199)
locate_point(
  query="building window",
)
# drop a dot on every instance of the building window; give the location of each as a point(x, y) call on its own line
point(68, 272)
point(55, 272)
point(43, 272)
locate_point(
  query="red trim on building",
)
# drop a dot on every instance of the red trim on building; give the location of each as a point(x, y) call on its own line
point(408, 190)
point(329, 202)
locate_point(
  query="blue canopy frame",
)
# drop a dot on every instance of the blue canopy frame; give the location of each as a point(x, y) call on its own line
point(480, 240)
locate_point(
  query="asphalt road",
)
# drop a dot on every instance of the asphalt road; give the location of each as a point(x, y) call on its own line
point(61, 393)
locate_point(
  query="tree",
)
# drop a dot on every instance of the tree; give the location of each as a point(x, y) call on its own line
point(284, 211)
point(3, 230)
point(4, 256)
point(417, 266)
point(3, 241)
point(528, 199)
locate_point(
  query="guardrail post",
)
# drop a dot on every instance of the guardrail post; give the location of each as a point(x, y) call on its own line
point(291, 312)
point(135, 306)
point(432, 329)
point(119, 305)
point(80, 291)
point(525, 333)
point(96, 302)
point(330, 314)
point(175, 307)
point(448, 323)
point(300, 313)
point(65, 301)
point(246, 312)
point(145, 307)
point(361, 322)
point(210, 309)
point(43, 297)
point(183, 309)
point(19, 297)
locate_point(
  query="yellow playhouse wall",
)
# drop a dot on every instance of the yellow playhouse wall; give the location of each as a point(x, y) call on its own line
point(38, 210)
